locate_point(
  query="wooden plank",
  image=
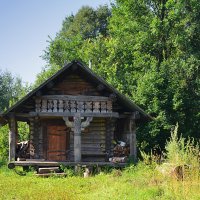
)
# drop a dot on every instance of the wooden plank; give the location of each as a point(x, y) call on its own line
point(70, 114)
point(32, 136)
point(85, 152)
point(93, 158)
point(77, 98)
point(94, 137)
point(133, 145)
point(51, 174)
point(48, 170)
point(77, 138)
point(36, 137)
point(91, 147)
point(40, 141)
point(53, 163)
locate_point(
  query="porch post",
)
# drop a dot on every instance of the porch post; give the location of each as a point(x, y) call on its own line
point(77, 126)
point(133, 142)
point(12, 138)
point(77, 137)
point(32, 146)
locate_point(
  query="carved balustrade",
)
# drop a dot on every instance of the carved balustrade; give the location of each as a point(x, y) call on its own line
point(73, 104)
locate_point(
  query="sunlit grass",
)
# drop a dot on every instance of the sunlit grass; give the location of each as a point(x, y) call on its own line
point(135, 182)
point(145, 181)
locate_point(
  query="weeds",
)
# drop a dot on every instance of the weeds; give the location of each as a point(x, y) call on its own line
point(180, 151)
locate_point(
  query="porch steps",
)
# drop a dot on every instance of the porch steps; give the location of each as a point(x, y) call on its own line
point(50, 171)
point(45, 170)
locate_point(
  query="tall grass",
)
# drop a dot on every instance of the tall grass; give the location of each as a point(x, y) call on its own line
point(180, 151)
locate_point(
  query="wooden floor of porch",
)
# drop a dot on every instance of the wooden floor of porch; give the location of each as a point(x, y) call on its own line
point(38, 163)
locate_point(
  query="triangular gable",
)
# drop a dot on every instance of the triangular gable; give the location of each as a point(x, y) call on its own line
point(123, 100)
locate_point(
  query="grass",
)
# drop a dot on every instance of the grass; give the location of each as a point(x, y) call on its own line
point(142, 182)
point(135, 182)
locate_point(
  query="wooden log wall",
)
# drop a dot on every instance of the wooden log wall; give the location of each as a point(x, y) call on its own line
point(93, 140)
point(74, 85)
point(36, 138)
point(110, 128)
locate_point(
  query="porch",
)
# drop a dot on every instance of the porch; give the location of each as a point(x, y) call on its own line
point(72, 130)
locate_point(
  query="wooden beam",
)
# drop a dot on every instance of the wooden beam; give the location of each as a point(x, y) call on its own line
point(32, 137)
point(76, 98)
point(11, 165)
point(71, 114)
point(130, 115)
point(36, 136)
point(12, 137)
point(77, 138)
point(133, 142)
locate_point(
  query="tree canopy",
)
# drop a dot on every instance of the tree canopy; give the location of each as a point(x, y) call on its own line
point(11, 89)
point(147, 49)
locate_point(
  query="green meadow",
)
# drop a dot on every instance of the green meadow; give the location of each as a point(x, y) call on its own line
point(134, 182)
point(146, 180)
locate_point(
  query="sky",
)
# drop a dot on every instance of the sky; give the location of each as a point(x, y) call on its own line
point(24, 29)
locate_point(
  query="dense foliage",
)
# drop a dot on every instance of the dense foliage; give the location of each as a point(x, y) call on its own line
point(11, 90)
point(147, 49)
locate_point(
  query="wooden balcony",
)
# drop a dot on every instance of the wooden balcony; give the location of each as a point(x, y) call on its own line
point(67, 105)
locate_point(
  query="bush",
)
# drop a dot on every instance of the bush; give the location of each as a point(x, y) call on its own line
point(4, 131)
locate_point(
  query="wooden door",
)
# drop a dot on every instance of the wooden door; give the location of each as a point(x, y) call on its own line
point(58, 142)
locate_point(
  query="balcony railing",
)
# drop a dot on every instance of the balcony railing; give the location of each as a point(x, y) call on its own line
point(73, 104)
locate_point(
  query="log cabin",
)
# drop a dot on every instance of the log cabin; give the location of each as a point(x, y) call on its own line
point(74, 117)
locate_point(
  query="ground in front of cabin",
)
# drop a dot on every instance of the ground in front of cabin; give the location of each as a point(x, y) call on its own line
point(140, 182)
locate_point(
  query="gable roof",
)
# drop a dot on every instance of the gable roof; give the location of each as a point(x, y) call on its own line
point(121, 98)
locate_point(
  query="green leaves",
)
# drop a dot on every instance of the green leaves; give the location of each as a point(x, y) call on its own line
point(147, 49)
point(11, 90)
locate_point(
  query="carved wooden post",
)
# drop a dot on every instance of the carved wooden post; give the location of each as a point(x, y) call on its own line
point(77, 137)
point(133, 143)
point(77, 126)
point(36, 136)
point(12, 138)
point(41, 142)
point(32, 137)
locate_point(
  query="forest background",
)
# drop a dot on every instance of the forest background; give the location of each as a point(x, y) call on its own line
point(149, 50)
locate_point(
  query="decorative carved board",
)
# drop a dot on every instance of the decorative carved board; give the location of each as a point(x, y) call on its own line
point(58, 141)
point(73, 104)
